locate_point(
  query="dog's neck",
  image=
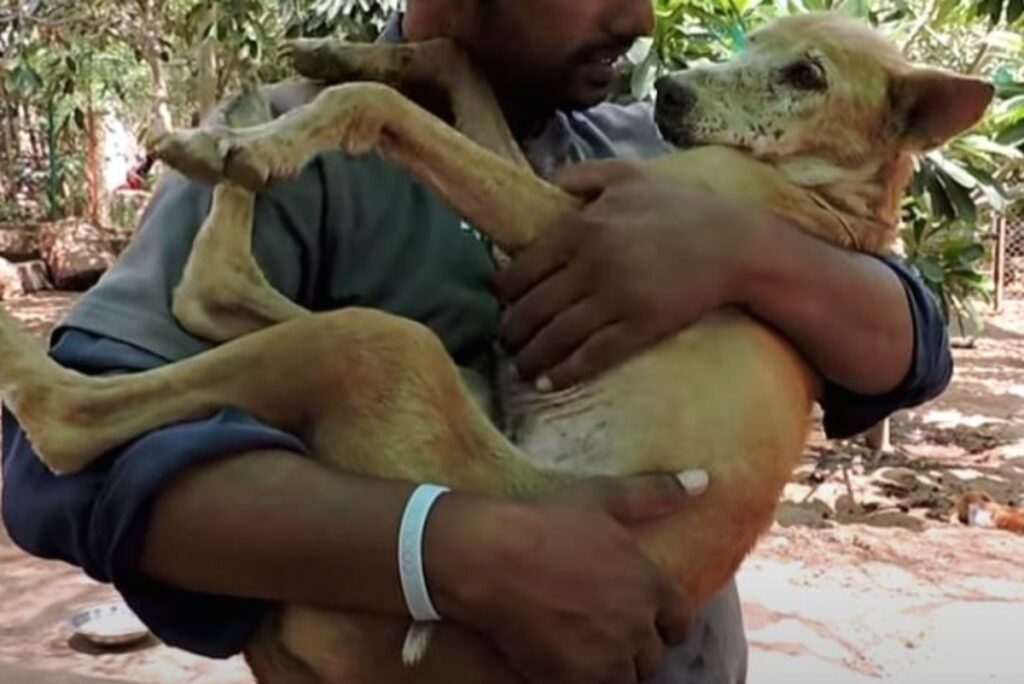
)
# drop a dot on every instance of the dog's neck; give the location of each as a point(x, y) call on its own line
point(866, 198)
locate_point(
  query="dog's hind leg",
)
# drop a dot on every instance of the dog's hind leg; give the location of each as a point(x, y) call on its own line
point(362, 648)
point(223, 293)
point(507, 201)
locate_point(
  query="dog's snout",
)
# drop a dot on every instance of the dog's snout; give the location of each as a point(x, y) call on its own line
point(674, 95)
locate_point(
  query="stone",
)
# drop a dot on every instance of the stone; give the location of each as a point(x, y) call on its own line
point(76, 252)
point(23, 278)
point(19, 241)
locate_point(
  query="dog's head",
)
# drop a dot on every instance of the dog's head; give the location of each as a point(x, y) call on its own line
point(970, 500)
point(823, 89)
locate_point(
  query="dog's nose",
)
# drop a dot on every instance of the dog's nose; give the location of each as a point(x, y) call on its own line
point(674, 95)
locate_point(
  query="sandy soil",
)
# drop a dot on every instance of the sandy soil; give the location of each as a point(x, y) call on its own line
point(864, 578)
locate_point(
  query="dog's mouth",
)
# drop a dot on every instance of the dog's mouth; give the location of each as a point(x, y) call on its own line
point(675, 132)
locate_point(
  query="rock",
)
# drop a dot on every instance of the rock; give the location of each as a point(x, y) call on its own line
point(19, 242)
point(77, 253)
point(813, 514)
point(23, 278)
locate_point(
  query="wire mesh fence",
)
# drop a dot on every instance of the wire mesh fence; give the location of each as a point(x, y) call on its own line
point(1009, 262)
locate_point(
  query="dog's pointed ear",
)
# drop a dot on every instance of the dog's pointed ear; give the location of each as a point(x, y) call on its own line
point(932, 106)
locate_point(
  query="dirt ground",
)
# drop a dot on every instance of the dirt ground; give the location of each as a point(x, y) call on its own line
point(866, 577)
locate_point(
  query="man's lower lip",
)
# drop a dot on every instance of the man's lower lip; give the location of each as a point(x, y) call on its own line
point(602, 70)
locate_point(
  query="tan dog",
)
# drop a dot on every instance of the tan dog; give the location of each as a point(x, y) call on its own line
point(978, 509)
point(818, 122)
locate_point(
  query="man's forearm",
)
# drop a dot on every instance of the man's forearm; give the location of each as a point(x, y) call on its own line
point(273, 526)
point(847, 312)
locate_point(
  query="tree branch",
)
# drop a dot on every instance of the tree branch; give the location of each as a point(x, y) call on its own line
point(915, 32)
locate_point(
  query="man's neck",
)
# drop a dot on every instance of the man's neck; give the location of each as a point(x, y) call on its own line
point(526, 116)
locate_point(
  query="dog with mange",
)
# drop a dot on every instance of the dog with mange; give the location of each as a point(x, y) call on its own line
point(979, 509)
point(818, 121)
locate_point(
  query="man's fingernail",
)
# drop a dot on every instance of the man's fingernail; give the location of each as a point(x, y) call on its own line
point(693, 481)
point(544, 384)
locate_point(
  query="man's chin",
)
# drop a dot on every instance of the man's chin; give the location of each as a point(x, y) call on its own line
point(585, 97)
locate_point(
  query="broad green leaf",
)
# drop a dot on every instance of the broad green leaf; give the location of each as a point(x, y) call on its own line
point(1014, 135)
point(953, 170)
point(1009, 41)
point(1014, 10)
point(930, 270)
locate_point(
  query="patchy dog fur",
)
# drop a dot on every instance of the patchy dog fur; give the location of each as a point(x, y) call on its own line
point(826, 119)
point(833, 106)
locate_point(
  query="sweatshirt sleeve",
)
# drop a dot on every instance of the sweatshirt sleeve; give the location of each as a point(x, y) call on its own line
point(848, 413)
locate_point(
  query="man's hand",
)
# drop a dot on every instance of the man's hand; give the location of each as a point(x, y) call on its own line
point(560, 587)
point(643, 259)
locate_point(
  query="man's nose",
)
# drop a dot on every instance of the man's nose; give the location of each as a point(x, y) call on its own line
point(631, 18)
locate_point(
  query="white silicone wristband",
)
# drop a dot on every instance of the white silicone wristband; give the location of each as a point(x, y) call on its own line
point(410, 552)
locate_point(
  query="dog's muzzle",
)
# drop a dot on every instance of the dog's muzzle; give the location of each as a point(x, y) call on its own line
point(673, 107)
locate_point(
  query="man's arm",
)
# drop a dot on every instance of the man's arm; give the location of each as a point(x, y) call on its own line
point(647, 258)
point(867, 324)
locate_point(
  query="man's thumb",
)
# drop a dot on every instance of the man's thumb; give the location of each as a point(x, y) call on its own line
point(643, 497)
point(587, 180)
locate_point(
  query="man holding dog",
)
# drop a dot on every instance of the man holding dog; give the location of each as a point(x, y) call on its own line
point(202, 525)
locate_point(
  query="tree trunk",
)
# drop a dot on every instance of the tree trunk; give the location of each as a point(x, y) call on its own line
point(6, 153)
point(148, 43)
point(207, 93)
point(160, 111)
point(31, 126)
point(92, 164)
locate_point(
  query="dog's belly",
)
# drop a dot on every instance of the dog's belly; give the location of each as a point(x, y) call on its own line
point(570, 430)
point(726, 395)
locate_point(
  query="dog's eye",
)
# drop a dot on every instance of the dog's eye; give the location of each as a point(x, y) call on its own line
point(805, 75)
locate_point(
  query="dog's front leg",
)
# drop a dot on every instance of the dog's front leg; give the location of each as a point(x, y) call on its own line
point(505, 200)
point(433, 65)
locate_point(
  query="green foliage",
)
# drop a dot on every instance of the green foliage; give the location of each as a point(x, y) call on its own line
point(949, 258)
point(70, 54)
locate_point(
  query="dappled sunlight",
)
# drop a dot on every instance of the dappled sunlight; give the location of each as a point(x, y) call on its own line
point(951, 418)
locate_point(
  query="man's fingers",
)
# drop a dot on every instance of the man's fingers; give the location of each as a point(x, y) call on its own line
point(635, 499)
point(546, 256)
point(589, 179)
point(675, 619)
point(602, 350)
point(648, 660)
point(560, 337)
point(625, 675)
point(539, 306)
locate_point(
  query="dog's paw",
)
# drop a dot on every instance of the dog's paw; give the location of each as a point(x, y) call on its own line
point(329, 60)
point(197, 153)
